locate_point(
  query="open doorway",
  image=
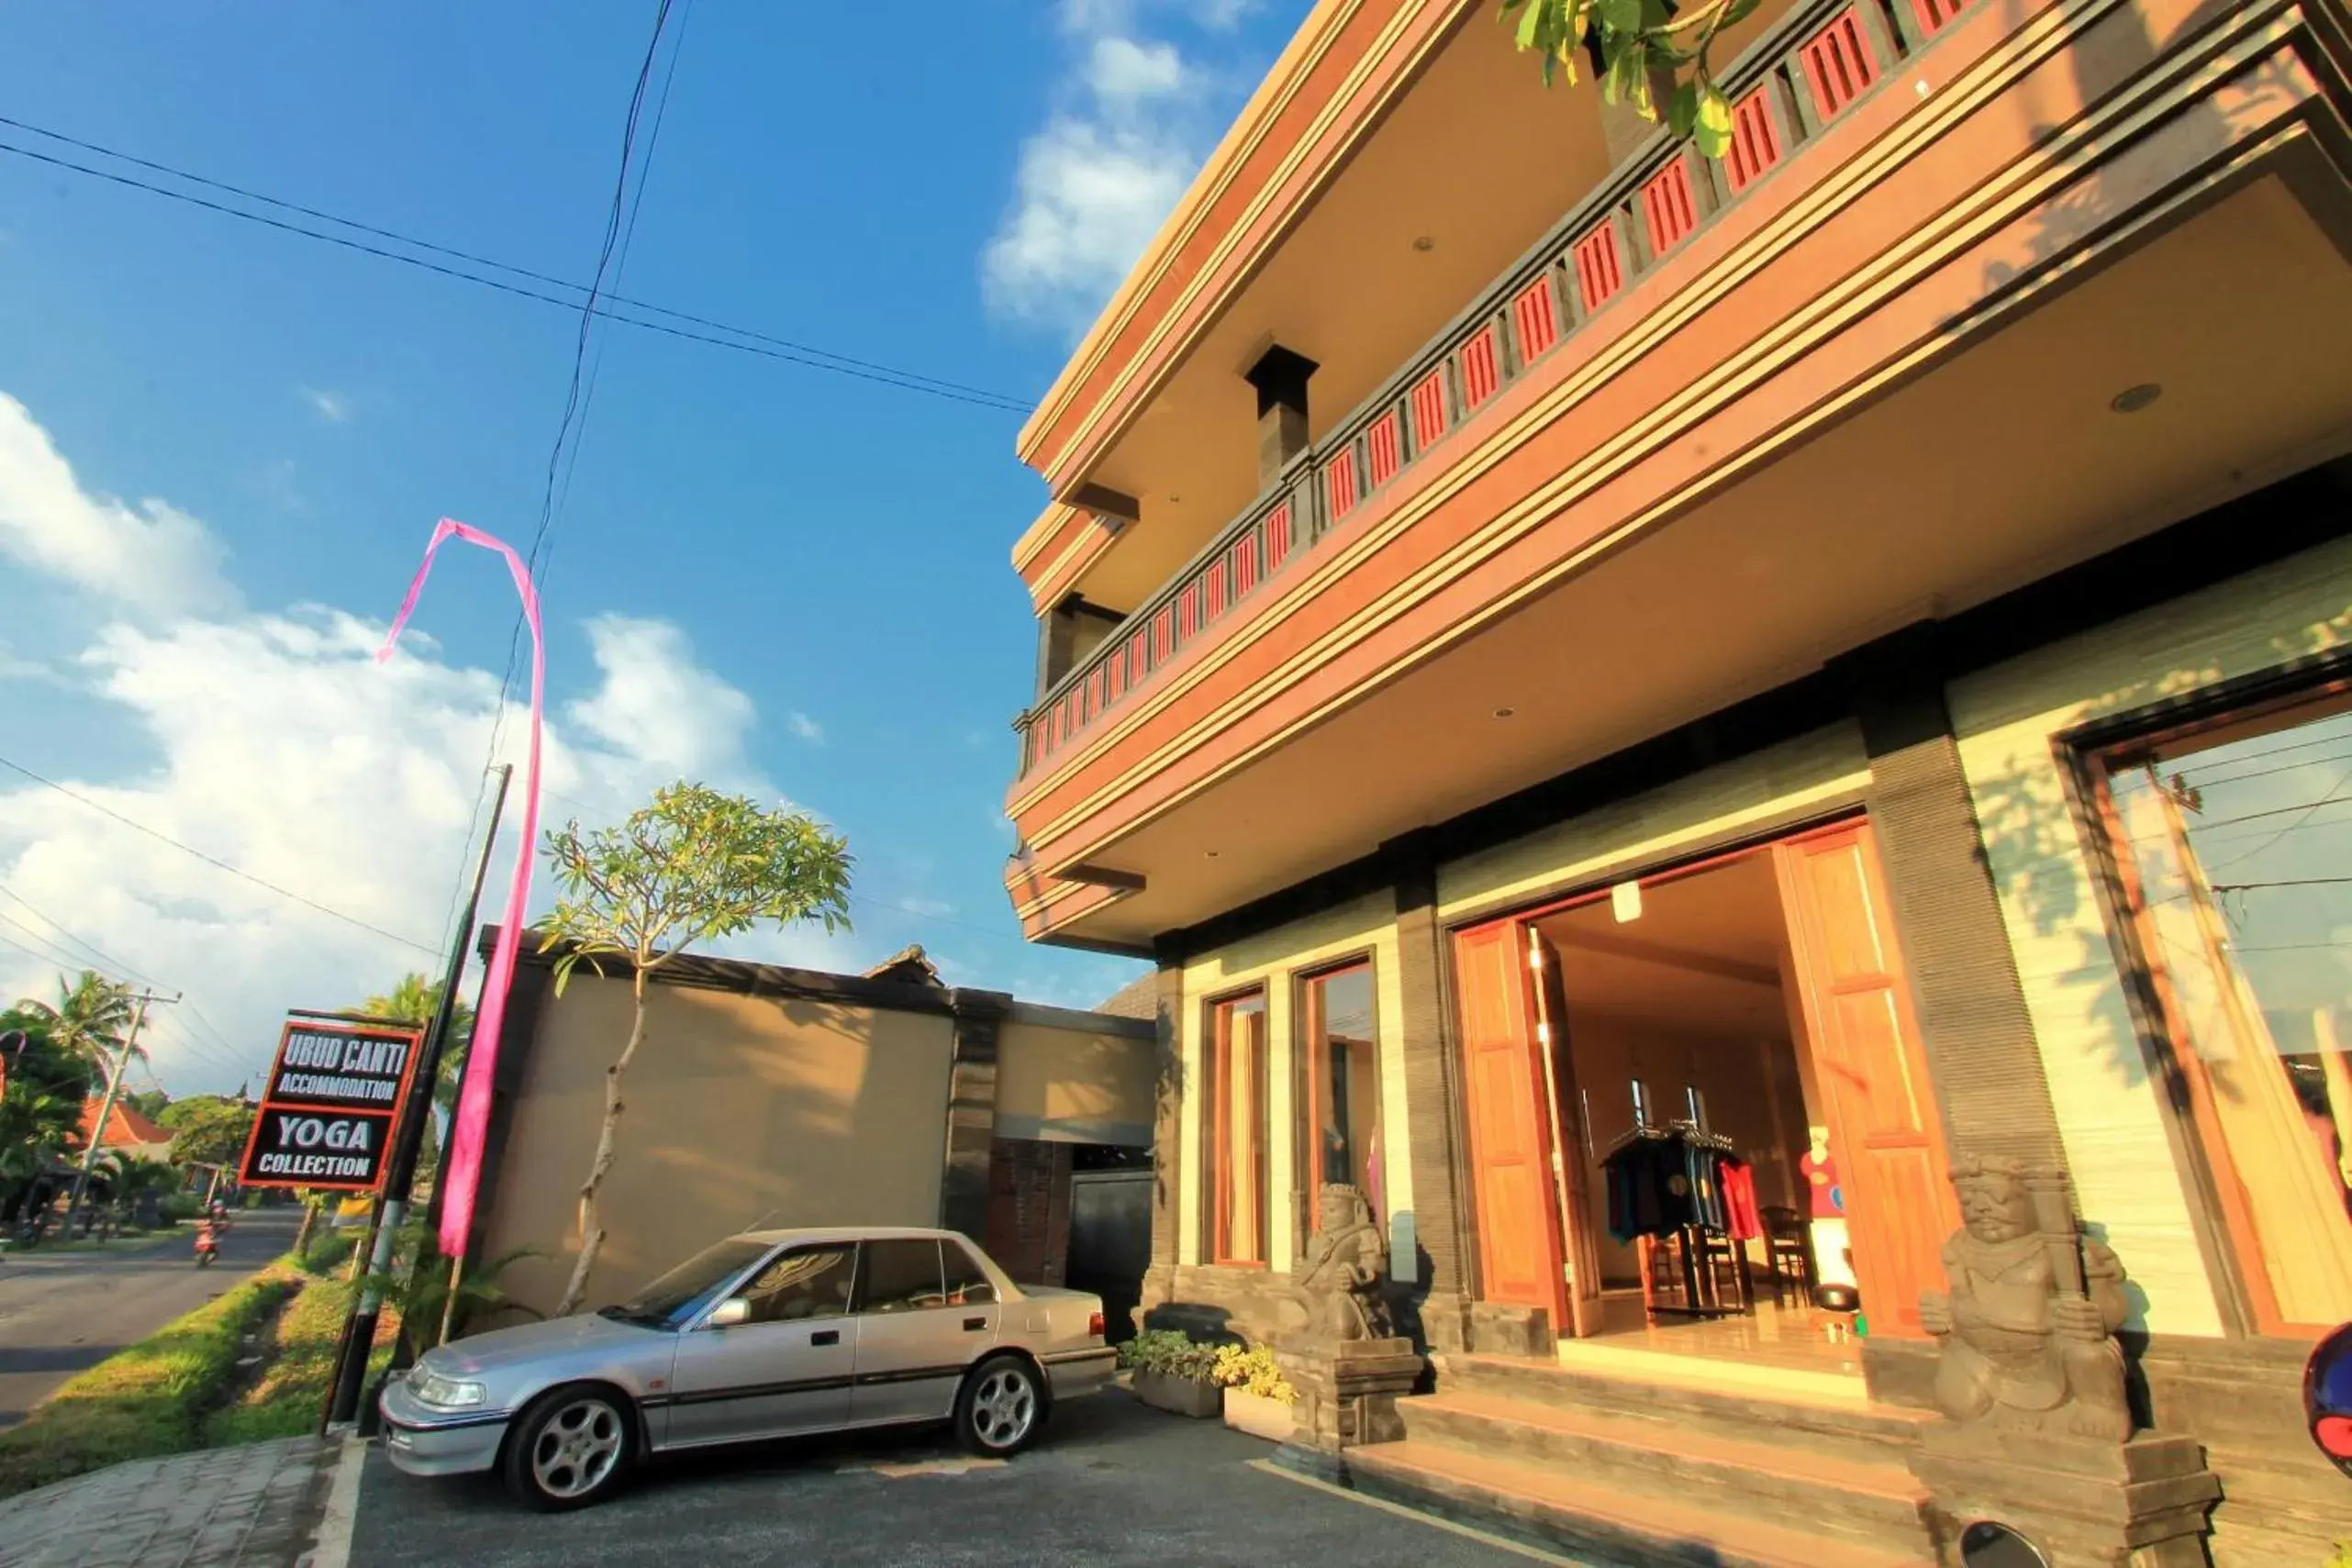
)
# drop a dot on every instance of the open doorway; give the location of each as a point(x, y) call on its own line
point(1700, 1118)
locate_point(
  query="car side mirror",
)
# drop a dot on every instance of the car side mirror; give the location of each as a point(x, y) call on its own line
point(728, 1313)
point(2327, 1396)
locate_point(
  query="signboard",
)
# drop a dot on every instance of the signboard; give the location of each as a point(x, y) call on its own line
point(325, 1120)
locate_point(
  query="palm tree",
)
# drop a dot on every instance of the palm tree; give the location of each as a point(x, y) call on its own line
point(413, 1002)
point(90, 1018)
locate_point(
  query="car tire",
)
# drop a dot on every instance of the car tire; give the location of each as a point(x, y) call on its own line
point(570, 1447)
point(1001, 1408)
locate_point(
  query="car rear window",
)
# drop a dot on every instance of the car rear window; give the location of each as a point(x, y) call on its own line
point(967, 1283)
point(900, 1276)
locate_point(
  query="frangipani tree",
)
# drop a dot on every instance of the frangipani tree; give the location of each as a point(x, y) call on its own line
point(692, 866)
point(1649, 55)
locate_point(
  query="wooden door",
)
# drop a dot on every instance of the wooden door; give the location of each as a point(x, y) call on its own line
point(1570, 1137)
point(1519, 1231)
point(1884, 1127)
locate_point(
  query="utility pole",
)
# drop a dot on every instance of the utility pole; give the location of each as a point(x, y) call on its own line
point(106, 1107)
point(408, 1143)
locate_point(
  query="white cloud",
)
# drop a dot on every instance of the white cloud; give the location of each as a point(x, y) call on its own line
point(1120, 69)
point(151, 559)
point(808, 729)
point(281, 747)
point(331, 407)
point(1098, 179)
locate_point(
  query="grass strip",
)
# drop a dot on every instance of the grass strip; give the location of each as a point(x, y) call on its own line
point(150, 1398)
point(284, 1401)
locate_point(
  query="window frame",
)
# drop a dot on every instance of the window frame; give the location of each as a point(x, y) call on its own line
point(1217, 1128)
point(859, 1307)
point(2087, 757)
point(1306, 1080)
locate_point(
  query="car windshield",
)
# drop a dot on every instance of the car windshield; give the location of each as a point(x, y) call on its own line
point(673, 1299)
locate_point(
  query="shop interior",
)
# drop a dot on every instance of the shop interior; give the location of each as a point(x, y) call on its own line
point(1679, 1037)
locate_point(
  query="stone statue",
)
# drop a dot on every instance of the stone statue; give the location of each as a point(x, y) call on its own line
point(1339, 1283)
point(2026, 1331)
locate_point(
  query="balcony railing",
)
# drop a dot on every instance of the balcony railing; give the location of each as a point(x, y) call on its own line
point(1812, 66)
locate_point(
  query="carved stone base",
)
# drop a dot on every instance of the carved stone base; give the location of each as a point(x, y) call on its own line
point(2084, 1504)
point(1348, 1391)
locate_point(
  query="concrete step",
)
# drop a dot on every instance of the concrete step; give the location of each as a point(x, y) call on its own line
point(1587, 1517)
point(1875, 1503)
point(2260, 1500)
point(1847, 1427)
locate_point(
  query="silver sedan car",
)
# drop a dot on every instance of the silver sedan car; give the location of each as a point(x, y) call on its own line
point(768, 1334)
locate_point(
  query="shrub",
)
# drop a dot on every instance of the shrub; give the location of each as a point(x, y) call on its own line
point(181, 1205)
point(328, 1252)
point(1253, 1369)
point(1170, 1353)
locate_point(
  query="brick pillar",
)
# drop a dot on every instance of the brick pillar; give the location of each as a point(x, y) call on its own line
point(1978, 1037)
point(1439, 1276)
point(970, 1113)
point(1159, 1279)
point(1029, 1209)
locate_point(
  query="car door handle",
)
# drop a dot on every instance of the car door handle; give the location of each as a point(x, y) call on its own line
point(974, 1324)
point(826, 1337)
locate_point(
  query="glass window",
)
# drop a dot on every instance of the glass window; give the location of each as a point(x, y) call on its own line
point(1339, 1091)
point(901, 1276)
point(967, 1284)
point(2235, 853)
point(674, 1299)
point(808, 1282)
point(1237, 1122)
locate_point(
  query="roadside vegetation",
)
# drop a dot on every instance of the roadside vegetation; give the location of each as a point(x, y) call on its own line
point(152, 1398)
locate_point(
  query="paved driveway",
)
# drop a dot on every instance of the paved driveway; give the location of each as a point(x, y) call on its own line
point(61, 1312)
point(1113, 1484)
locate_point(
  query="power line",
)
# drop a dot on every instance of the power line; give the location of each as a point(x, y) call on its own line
point(214, 861)
point(108, 960)
point(762, 344)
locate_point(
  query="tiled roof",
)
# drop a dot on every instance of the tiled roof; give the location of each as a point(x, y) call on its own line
point(1139, 998)
point(125, 1129)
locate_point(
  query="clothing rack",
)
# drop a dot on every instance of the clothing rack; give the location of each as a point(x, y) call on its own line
point(1701, 1297)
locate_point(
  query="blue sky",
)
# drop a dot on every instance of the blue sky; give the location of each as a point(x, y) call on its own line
point(222, 448)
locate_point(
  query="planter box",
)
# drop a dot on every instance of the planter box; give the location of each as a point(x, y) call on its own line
point(1259, 1416)
point(1181, 1395)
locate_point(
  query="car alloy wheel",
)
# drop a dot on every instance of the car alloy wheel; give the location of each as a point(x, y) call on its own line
point(570, 1447)
point(1001, 1406)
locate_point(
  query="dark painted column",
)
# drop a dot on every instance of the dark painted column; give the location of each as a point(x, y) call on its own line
point(1280, 378)
point(1167, 1124)
point(1442, 1215)
point(1971, 1003)
point(971, 1112)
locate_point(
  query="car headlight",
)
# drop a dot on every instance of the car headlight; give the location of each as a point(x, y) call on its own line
point(445, 1393)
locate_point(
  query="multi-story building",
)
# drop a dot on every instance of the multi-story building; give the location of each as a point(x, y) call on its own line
point(1845, 646)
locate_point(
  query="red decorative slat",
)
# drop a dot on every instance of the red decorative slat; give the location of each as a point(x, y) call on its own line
point(1069, 716)
point(1600, 271)
point(1277, 536)
point(1756, 140)
point(1481, 372)
point(1668, 207)
point(1383, 443)
point(1537, 322)
point(1189, 610)
point(1098, 693)
point(1212, 592)
point(1245, 565)
point(1339, 484)
point(1839, 64)
point(1115, 676)
point(1935, 15)
point(1429, 407)
point(1163, 634)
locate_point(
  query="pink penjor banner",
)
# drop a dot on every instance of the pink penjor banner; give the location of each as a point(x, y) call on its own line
point(461, 1170)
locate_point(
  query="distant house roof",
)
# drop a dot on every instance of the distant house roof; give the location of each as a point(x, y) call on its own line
point(126, 1129)
point(1139, 998)
point(909, 966)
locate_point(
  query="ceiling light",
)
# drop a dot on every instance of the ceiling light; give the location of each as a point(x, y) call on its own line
point(2131, 399)
point(1425, 243)
point(1208, 854)
point(1505, 712)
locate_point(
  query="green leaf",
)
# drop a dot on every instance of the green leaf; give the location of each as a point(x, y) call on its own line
point(1683, 112)
point(1711, 127)
point(1622, 17)
point(1531, 24)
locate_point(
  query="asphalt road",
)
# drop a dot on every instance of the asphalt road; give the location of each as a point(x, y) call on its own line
point(1111, 1485)
point(62, 1312)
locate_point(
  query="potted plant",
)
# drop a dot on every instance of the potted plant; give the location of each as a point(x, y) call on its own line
point(1257, 1398)
point(1169, 1371)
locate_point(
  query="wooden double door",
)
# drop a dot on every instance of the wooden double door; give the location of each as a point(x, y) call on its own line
point(1537, 1240)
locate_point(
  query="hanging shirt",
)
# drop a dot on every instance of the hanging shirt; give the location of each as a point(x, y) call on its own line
point(1743, 1220)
